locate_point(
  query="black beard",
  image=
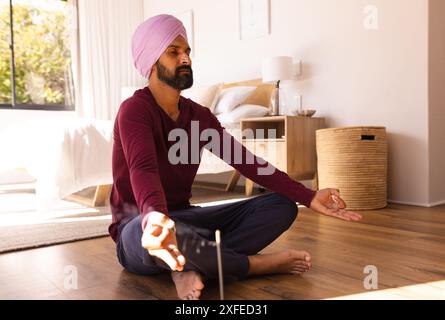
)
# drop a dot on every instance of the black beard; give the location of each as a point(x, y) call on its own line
point(178, 81)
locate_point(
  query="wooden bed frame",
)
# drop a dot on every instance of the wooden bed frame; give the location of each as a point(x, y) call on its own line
point(100, 198)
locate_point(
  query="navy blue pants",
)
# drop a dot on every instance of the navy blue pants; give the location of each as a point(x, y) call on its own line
point(247, 227)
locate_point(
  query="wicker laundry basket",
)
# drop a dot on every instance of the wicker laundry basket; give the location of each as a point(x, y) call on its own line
point(354, 160)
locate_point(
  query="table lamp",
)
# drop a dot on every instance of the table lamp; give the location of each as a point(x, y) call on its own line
point(274, 70)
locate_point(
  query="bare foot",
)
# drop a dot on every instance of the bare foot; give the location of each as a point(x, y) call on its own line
point(288, 261)
point(188, 284)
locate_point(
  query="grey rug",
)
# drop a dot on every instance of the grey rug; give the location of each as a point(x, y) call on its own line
point(33, 236)
point(72, 221)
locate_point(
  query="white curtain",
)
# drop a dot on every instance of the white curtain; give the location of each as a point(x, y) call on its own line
point(101, 53)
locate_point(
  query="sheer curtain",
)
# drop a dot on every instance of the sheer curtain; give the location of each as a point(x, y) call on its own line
point(101, 54)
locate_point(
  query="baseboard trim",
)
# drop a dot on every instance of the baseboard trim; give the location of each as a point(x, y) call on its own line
point(418, 204)
point(437, 203)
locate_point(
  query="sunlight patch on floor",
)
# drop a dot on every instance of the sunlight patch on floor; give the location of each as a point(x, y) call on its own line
point(425, 291)
point(20, 207)
point(215, 203)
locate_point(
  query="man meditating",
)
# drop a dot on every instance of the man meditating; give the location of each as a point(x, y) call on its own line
point(154, 226)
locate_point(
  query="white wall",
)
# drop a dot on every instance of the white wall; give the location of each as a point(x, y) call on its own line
point(437, 100)
point(351, 75)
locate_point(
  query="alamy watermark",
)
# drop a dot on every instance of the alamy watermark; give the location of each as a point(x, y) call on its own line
point(371, 281)
point(371, 20)
point(187, 149)
point(71, 279)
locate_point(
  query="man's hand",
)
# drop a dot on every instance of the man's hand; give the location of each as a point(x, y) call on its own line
point(159, 238)
point(328, 202)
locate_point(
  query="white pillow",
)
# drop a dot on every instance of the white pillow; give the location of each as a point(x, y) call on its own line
point(231, 98)
point(242, 112)
point(204, 95)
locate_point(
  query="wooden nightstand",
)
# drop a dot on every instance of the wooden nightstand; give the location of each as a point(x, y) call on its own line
point(291, 149)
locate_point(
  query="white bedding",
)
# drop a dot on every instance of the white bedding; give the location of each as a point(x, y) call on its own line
point(213, 164)
point(64, 155)
point(70, 154)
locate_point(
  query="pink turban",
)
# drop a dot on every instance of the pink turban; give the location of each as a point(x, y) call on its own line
point(151, 39)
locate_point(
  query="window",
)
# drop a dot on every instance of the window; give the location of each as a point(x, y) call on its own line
point(35, 58)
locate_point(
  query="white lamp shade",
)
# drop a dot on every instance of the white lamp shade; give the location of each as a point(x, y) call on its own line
point(277, 68)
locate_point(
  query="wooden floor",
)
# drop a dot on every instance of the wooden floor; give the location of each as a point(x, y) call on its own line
point(406, 244)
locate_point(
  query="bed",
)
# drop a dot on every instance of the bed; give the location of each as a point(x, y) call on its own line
point(63, 155)
point(70, 154)
point(211, 163)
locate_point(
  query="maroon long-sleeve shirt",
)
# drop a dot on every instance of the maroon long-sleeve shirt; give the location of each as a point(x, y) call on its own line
point(144, 179)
